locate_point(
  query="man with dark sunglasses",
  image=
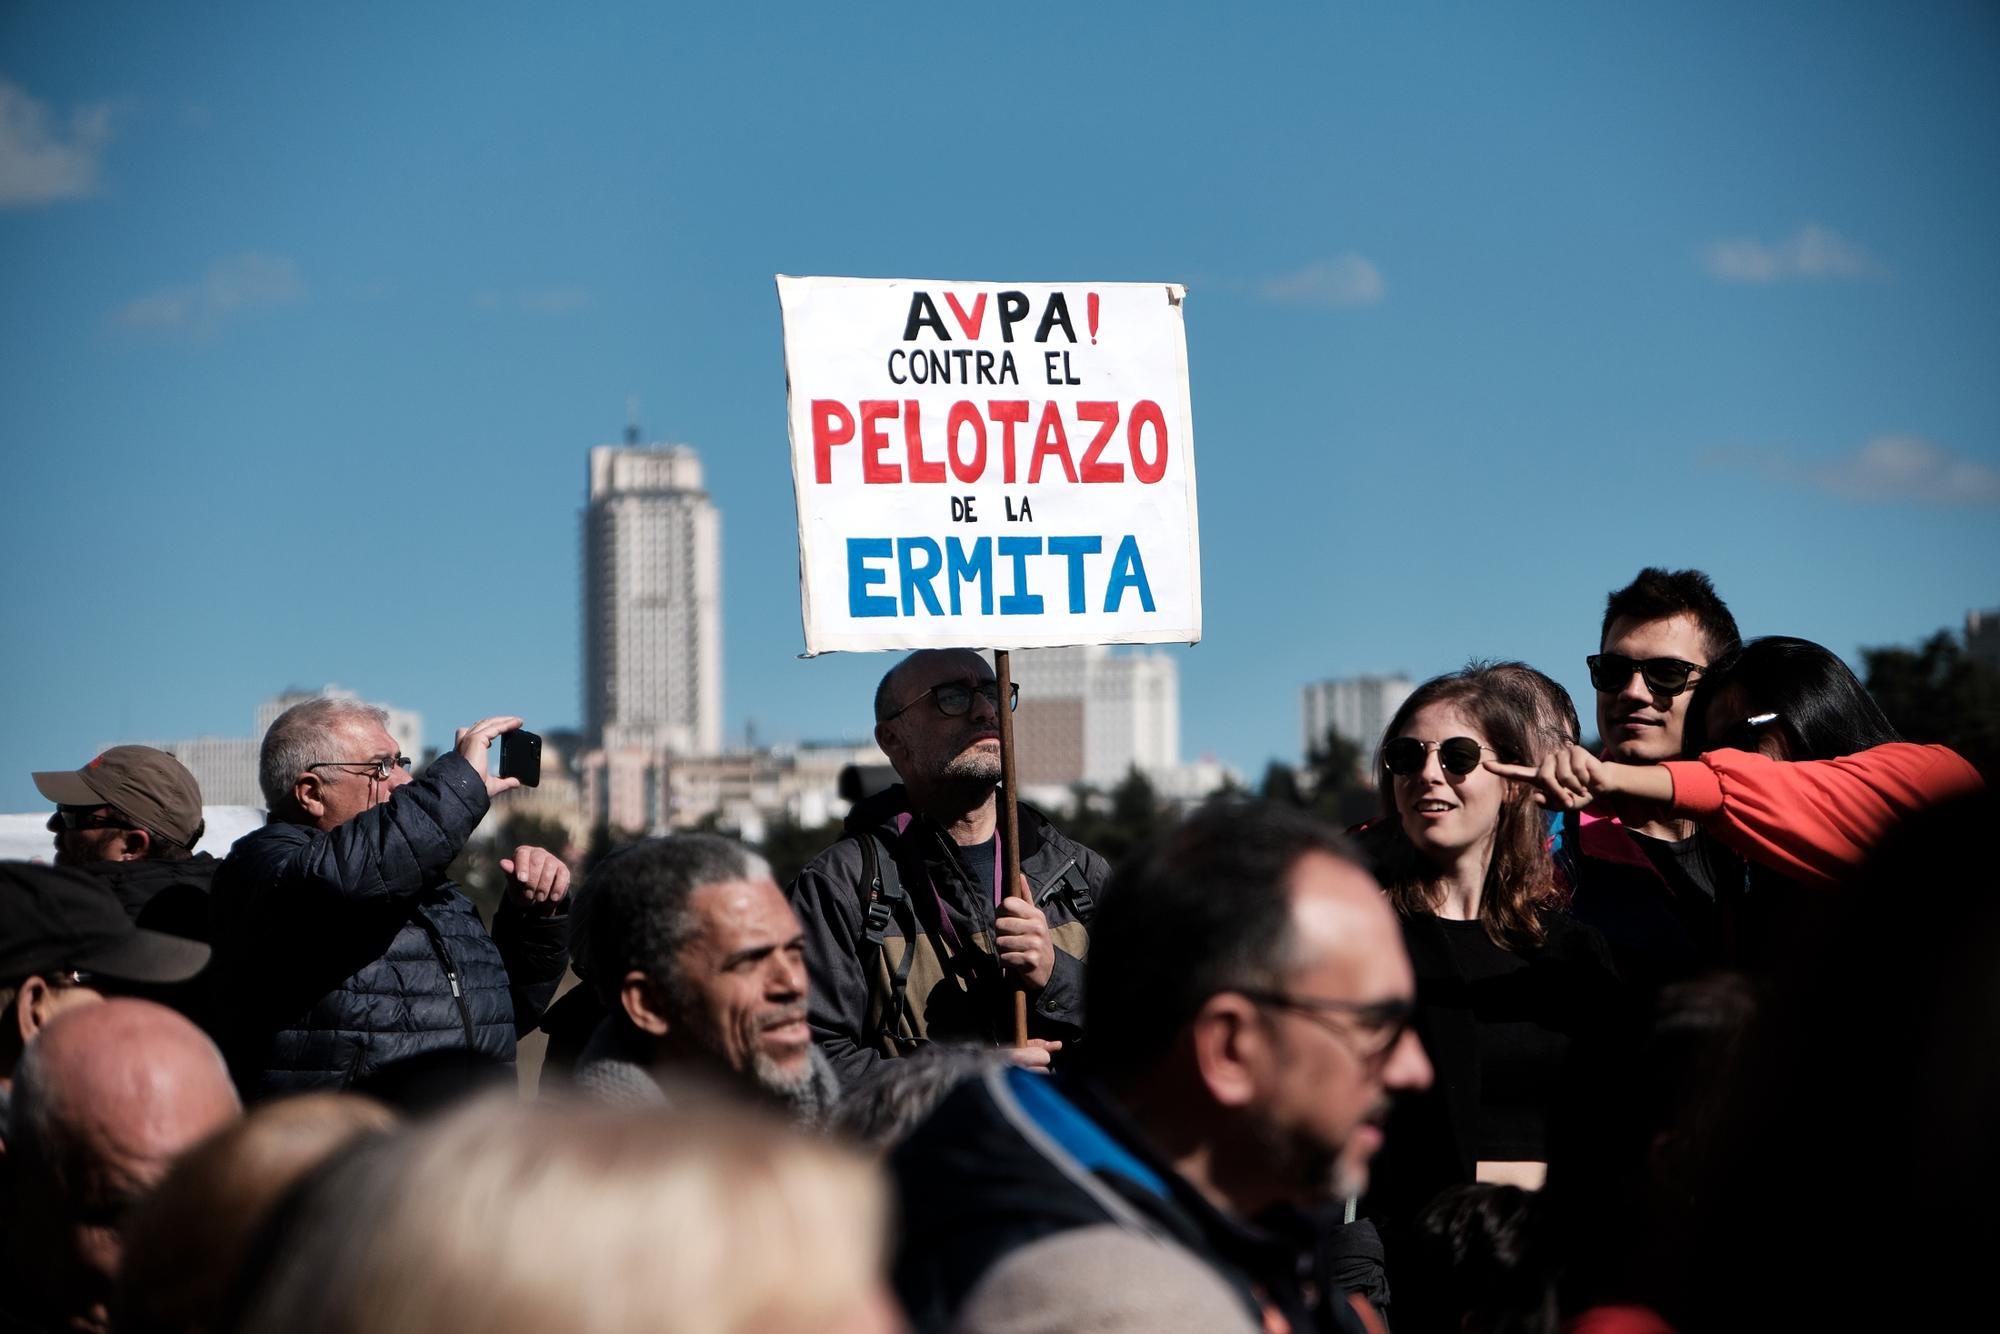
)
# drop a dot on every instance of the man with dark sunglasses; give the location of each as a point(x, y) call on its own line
point(1652, 884)
point(910, 934)
point(131, 817)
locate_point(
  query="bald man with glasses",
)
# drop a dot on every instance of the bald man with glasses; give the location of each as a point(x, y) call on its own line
point(910, 935)
point(1250, 1007)
point(343, 953)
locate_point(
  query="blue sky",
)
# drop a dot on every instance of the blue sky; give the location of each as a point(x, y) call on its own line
point(311, 314)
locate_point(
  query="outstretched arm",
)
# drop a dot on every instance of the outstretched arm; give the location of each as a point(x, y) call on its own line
point(1813, 820)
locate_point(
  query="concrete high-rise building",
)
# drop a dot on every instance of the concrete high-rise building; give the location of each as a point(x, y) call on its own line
point(652, 602)
point(1982, 636)
point(1358, 708)
point(1090, 715)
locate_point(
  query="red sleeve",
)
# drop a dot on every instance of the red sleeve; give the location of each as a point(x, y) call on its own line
point(1815, 820)
point(1618, 1320)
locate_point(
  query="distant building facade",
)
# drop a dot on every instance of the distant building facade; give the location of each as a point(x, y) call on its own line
point(225, 767)
point(624, 789)
point(745, 790)
point(1357, 708)
point(652, 606)
point(1089, 715)
point(1982, 636)
point(632, 790)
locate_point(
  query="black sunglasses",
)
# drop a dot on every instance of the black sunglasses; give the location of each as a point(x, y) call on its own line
point(90, 817)
point(1404, 755)
point(1664, 676)
point(954, 698)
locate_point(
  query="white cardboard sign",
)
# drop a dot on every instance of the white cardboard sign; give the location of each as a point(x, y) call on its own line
point(992, 465)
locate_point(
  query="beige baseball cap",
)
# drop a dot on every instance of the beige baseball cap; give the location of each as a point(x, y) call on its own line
point(149, 787)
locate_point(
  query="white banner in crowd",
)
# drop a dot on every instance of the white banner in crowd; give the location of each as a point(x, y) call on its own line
point(990, 464)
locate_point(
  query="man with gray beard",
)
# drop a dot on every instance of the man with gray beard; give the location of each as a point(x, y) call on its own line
point(701, 963)
point(912, 934)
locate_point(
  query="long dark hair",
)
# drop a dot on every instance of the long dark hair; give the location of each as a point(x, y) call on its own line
point(1823, 710)
point(1520, 884)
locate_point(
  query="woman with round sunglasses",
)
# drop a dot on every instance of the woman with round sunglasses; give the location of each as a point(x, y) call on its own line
point(1508, 984)
point(1795, 766)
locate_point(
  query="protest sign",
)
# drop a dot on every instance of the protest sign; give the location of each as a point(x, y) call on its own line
point(991, 464)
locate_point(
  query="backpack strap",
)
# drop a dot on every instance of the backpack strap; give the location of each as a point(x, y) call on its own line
point(1071, 884)
point(1080, 901)
point(883, 902)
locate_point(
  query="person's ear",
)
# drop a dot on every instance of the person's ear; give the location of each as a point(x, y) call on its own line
point(40, 1002)
point(644, 1003)
point(1232, 1050)
point(133, 844)
point(306, 794)
point(891, 744)
point(29, 1001)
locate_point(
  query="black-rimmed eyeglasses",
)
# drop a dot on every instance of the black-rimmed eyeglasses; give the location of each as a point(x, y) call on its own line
point(1609, 672)
point(954, 698)
point(378, 769)
point(1375, 1027)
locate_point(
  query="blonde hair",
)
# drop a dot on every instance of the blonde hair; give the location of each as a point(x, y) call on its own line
point(506, 1217)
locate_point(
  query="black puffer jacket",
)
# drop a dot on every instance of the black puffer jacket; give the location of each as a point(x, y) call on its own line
point(170, 896)
point(340, 953)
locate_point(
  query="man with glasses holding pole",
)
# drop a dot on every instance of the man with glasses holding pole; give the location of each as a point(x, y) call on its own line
point(342, 953)
point(911, 935)
point(1653, 886)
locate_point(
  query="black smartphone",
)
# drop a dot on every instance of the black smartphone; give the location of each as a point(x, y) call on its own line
point(521, 757)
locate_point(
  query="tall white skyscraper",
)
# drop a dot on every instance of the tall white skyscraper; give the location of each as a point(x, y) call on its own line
point(652, 602)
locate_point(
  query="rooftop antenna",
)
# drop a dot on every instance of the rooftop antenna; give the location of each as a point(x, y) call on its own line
point(631, 419)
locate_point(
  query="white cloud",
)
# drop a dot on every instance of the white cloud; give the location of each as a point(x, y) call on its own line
point(1813, 253)
point(230, 287)
point(41, 161)
point(1887, 468)
point(1344, 280)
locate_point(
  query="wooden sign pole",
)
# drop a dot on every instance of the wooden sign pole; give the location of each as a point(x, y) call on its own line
point(1010, 822)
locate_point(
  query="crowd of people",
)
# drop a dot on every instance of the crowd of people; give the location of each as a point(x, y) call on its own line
point(1646, 1036)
